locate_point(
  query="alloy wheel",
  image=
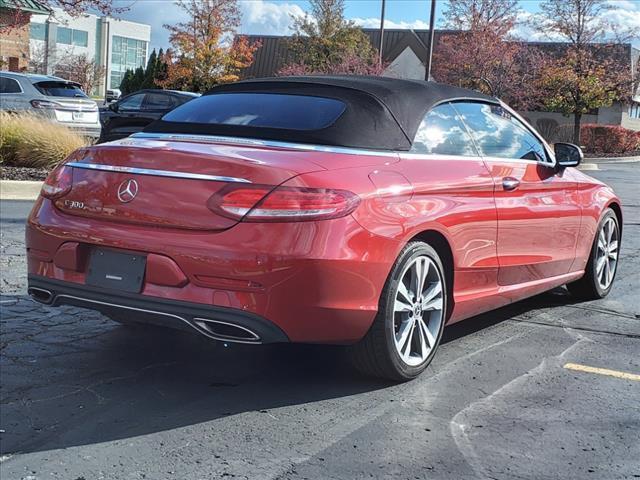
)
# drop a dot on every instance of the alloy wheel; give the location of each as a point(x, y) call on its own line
point(607, 253)
point(418, 310)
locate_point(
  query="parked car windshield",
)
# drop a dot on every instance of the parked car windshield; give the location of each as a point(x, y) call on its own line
point(60, 89)
point(270, 110)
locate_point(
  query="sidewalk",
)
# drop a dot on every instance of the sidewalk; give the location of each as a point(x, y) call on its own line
point(19, 189)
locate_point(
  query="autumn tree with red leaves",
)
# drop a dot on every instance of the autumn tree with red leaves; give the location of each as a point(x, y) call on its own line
point(82, 70)
point(74, 8)
point(483, 56)
point(206, 49)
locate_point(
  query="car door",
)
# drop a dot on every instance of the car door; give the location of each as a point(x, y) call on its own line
point(537, 206)
point(124, 117)
point(155, 105)
point(452, 192)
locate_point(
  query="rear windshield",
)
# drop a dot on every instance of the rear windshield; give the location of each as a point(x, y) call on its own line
point(270, 110)
point(59, 89)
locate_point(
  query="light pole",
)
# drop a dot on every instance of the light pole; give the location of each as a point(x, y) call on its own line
point(427, 73)
point(381, 32)
point(106, 63)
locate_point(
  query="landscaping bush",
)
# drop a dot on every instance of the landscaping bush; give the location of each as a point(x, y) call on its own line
point(595, 138)
point(32, 141)
point(609, 139)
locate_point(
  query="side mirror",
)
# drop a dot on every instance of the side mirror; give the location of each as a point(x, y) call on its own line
point(568, 154)
point(113, 106)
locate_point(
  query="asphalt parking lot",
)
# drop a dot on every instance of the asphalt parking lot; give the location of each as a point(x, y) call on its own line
point(542, 389)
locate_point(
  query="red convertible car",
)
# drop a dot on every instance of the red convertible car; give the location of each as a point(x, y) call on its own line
point(368, 212)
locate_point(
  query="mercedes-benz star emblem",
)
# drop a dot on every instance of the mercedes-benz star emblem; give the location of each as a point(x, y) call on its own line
point(127, 190)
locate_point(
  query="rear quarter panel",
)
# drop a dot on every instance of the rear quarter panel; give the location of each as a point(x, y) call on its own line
point(451, 196)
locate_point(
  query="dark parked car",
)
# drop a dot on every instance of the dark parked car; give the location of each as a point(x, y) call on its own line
point(132, 113)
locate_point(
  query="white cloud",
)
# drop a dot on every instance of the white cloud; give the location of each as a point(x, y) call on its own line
point(259, 17)
point(375, 23)
point(624, 14)
point(266, 18)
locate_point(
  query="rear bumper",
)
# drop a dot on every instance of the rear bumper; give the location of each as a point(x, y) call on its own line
point(224, 324)
point(318, 282)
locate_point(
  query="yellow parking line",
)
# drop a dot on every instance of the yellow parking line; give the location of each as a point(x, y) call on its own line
point(602, 371)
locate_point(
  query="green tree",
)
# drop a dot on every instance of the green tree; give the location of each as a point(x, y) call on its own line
point(125, 84)
point(150, 71)
point(325, 38)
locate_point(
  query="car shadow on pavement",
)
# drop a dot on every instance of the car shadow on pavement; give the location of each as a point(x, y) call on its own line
point(81, 379)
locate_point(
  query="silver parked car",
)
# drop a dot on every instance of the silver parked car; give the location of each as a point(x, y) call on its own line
point(60, 100)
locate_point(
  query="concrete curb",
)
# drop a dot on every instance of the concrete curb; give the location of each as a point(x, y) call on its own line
point(613, 160)
point(19, 189)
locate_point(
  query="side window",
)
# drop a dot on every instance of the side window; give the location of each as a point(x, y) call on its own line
point(497, 133)
point(9, 85)
point(158, 101)
point(134, 102)
point(441, 132)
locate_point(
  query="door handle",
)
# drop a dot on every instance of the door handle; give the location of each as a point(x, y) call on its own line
point(510, 183)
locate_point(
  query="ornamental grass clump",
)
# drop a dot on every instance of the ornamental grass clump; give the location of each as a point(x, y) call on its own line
point(33, 141)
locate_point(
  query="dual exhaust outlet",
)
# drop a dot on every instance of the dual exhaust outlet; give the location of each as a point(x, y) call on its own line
point(214, 329)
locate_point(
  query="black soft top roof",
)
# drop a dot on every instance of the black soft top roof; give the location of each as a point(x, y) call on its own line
point(382, 113)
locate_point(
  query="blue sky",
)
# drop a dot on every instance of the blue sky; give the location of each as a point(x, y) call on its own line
point(273, 16)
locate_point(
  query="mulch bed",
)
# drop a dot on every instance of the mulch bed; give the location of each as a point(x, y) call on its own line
point(22, 173)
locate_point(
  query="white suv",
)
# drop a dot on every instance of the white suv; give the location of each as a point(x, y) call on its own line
point(60, 100)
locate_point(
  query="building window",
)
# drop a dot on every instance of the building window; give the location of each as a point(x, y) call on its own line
point(634, 110)
point(126, 53)
point(37, 31)
point(68, 36)
point(80, 38)
point(64, 36)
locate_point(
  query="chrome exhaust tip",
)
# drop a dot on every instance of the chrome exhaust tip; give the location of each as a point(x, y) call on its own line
point(226, 332)
point(41, 295)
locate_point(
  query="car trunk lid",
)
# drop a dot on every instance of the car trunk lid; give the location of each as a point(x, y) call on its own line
point(168, 184)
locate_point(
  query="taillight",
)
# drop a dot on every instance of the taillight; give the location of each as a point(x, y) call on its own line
point(263, 203)
point(58, 183)
point(44, 104)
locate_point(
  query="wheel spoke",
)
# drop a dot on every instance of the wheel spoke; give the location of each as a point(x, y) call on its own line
point(607, 272)
point(427, 332)
point(435, 304)
point(424, 346)
point(405, 348)
point(403, 333)
point(421, 270)
point(600, 264)
point(434, 291)
point(402, 290)
point(400, 306)
point(610, 229)
point(613, 246)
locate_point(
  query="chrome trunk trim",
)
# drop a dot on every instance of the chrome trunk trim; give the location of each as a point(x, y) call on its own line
point(156, 173)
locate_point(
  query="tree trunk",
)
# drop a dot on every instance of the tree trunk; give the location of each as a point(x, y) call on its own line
point(577, 118)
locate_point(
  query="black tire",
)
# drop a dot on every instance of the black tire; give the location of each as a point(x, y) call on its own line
point(588, 287)
point(376, 354)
